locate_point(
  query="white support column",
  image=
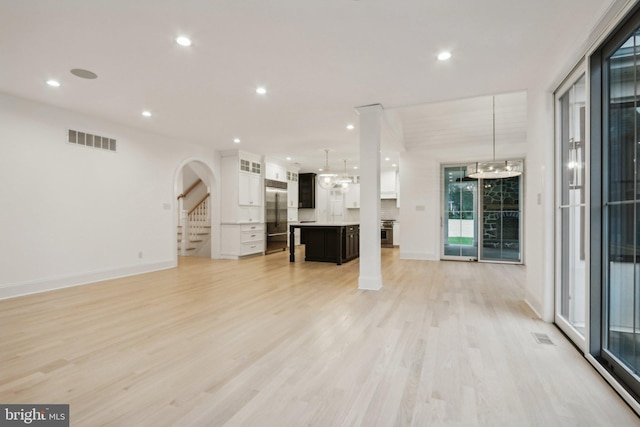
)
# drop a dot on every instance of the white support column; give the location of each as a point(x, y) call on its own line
point(370, 134)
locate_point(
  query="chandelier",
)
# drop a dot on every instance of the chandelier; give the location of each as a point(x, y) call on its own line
point(327, 179)
point(495, 169)
point(344, 180)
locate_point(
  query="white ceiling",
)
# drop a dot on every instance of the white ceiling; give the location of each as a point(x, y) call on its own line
point(318, 60)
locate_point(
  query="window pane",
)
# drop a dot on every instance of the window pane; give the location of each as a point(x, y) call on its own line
point(501, 219)
point(622, 285)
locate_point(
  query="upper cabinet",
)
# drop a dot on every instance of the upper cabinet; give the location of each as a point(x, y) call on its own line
point(307, 190)
point(352, 198)
point(241, 187)
point(292, 189)
point(274, 171)
point(389, 184)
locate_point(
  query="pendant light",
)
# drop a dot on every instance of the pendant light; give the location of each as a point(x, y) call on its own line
point(327, 179)
point(344, 180)
point(495, 169)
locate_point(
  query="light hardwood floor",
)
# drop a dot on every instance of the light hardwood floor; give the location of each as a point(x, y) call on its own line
point(262, 342)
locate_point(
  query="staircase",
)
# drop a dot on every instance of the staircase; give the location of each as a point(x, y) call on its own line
point(194, 231)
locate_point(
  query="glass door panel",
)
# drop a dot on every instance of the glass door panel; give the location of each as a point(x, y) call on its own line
point(501, 220)
point(460, 239)
point(571, 279)
point(621, 302)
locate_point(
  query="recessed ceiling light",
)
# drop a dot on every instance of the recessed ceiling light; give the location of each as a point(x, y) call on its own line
point(183, 41)
point(394, 165)
point(236, 140)
point(387, 159)
point(84, 74)
point(53, 83)
point(350, 126)
point(319, 169)
point(288, 158)
point(261, 90)
point(443, 56)
point(146, 113)
point(355, 167)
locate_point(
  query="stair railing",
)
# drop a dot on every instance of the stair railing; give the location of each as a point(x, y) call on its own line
point(198, 220)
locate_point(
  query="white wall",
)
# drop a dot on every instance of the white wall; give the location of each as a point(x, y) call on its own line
point(420, 188)
point(74, 214)
point(539, 199)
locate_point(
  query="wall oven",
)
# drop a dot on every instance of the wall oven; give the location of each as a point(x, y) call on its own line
point(386, 234)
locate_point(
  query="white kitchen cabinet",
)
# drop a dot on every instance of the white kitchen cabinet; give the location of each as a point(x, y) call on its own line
point(249, 189)
point(352, 198)
point(396, 233)
point(274, 171)
point(292, 190)
point(241, 188)
point(292, 214)
point(238, 240)
point(389, 184)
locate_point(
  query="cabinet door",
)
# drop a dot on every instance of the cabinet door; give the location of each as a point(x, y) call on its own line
point(249, 190)
point(352, 198)
point(292, 194)
point(255, 190)
point(244, 190)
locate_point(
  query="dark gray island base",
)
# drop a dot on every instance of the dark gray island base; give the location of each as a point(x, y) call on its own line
point(326, 242)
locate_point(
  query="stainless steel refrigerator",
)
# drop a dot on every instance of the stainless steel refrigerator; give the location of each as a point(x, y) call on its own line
point(276, 215)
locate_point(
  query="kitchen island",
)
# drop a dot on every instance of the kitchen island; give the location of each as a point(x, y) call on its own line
point(326, 242)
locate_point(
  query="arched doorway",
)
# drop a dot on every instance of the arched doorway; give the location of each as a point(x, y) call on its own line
point(195, 210)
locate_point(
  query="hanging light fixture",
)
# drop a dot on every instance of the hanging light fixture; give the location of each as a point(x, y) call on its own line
point(344, 180)
point(327, 179)
point(495, 169)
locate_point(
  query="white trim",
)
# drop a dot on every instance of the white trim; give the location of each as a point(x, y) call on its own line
point(624, 394)
point(578, 338)
point(370, 283)
point(26, 288)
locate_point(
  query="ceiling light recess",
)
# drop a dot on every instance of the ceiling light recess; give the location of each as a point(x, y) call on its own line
point(495, 169)
point(444, 56)
point(183, 41)
point(53, 83)
point(146, 113)
point(261, 90)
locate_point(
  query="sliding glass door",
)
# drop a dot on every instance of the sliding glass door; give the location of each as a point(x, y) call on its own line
point(460, 225)
point(571, 260)
point(501, 220)
point(482, 218)
point(615, 199)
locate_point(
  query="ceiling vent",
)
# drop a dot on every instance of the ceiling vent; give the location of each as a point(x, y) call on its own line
point(90, 140)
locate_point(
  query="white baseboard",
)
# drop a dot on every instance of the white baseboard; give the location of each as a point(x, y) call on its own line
point(370, 283)
point(19, 289)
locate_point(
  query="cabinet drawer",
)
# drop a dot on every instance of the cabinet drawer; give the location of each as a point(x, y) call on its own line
point(251, 236)
point(251, 247)
point(252, 227)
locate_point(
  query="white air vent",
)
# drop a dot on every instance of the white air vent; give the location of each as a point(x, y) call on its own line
point(90, 140)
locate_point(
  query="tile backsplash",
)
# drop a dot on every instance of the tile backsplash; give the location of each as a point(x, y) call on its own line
point(389, 210)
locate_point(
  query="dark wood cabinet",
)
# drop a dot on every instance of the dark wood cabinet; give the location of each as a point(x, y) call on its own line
point(328, 243)
point(307, 190)
point(351, 242)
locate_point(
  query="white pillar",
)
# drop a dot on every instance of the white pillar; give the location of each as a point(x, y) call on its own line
point(370, 131)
